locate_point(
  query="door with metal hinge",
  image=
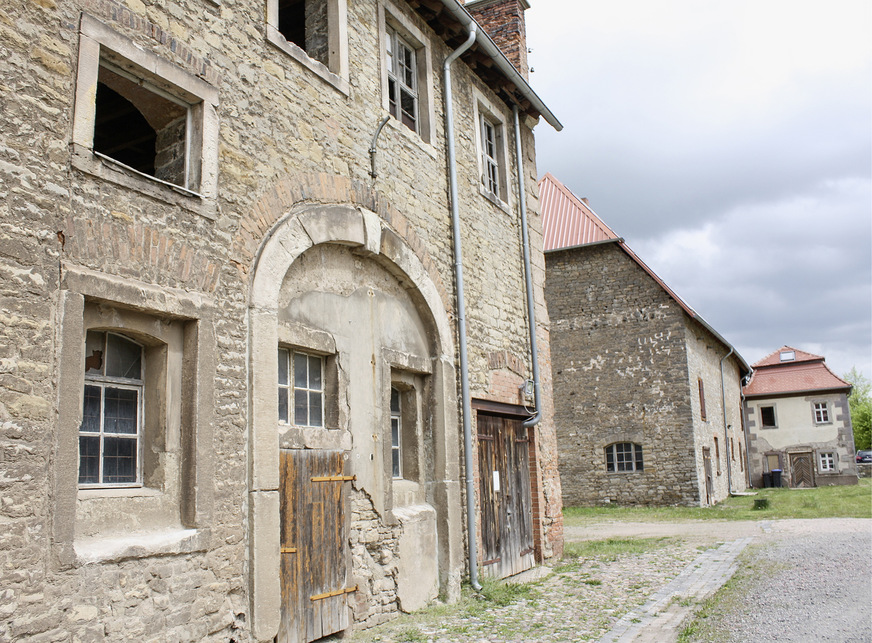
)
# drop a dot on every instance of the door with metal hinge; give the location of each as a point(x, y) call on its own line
point(314, 551)
point(505, 496)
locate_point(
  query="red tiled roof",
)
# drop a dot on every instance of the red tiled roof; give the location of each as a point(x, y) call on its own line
point(807, 373)
point(774, 358)
point(568, 222)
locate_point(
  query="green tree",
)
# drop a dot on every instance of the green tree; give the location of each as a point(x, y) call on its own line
point(860, 402)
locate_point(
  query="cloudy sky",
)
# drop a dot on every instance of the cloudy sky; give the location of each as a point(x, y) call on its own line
point(730, 143)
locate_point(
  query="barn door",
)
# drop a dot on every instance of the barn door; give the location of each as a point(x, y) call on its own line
point(506, 515)
point(314, 563)
point(707, 466)
point(801, 470)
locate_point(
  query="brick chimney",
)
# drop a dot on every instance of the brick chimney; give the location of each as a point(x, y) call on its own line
point(503, 20)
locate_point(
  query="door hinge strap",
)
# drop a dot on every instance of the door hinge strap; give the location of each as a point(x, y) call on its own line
point(492, 561)
point(337, 592)
point(333, 478)
point(289, 550)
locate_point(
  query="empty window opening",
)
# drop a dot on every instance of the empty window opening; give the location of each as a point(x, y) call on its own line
point(701, 398)
point(304, 23)
point(821, 413)
point(396, 434)
point(624, 456)
point(301, 383)
point(112, 417)
point(141, 126)
point(767, 417)
point(402, 80)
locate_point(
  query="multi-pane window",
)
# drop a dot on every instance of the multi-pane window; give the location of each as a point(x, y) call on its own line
point(402, 68)
point(821, 413)
point(396, 434)
point(827, 461)
point(489, 164)
point(767, 417)
point(111, 429)
point(624, 456)
point(301, 384)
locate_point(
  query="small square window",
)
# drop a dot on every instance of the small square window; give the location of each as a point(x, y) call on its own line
point(301, 388)
point(767, 417)
point(827, 461)
point(821, 413)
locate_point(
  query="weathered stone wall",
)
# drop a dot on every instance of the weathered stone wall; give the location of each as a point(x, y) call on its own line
point(285, 139)
point(620, 375)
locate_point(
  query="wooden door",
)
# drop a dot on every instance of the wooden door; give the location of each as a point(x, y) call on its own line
point(709, 482)
point(314, 557)
point(801, 470)
point(505, 503)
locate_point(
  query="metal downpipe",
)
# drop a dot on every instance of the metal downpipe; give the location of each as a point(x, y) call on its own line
point(726, 436)
point(472, 544)
point(528, 275)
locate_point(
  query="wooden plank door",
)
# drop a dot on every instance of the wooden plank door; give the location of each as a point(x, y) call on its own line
point(801, 470)
point(707, 467)
point(505, 503)
point(314, 557)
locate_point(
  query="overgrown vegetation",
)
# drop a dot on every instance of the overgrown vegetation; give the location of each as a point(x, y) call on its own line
point(612, 548)
point(860, 403)
point(821, 502)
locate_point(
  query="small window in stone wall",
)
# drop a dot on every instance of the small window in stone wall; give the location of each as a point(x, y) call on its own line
point(767, 417)
point(304, 23)
point(301, 388)
point(821, 413)
point(827, 461)
point(624, 457)
point(701, 398)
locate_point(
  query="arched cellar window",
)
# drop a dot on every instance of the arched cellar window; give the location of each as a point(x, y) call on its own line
point(623, 457)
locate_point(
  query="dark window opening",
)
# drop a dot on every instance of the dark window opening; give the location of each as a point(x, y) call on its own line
point(304, 23)
point(140, 127)
point(767, 416)
point(701, 399)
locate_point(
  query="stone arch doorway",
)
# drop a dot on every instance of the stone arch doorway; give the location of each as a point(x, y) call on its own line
point(353, 315)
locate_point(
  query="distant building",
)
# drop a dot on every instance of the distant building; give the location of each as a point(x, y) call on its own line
point(647, 395)
point(799, 422)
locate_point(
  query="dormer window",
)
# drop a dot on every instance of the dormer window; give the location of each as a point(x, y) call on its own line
point(788, 356)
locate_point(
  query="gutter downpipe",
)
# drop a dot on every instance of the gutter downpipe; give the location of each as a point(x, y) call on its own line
point(528, 275)
point(472, 543)
point(726, 437)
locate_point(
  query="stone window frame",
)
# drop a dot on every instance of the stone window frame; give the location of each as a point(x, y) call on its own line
point(336, 71)
point(769, 454)
point(409, 376)
point(396, 418)
point(760, 408)
point(391, 17)
point(827, 461)
point(176, 495)
point(98, 42)
point(485, 111)
point(637, 461)
point(820, 412)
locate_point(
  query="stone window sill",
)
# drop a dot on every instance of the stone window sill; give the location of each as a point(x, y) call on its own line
point(108, 549)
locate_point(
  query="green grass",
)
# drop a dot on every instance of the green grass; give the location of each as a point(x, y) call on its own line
point(611, 548)
point(853, 501)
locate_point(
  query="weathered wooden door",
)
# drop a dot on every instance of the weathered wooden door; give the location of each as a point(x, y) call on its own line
point(314, 560)
point(801, 470)
point(709, 482)
point(505, 503)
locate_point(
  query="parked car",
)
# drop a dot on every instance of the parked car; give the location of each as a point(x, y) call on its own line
point(864, 456)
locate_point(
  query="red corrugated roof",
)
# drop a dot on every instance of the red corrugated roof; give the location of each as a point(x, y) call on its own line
point(793, 377)
point(774, 358)
point(568, 222)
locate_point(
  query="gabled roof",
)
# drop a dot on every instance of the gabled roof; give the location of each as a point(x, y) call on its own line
point(804, 374)
point(568, 223)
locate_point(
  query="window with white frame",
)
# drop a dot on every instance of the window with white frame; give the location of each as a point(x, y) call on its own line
point(301, 388)
point(402, 72)
point(492, 152)
point(624, 456)
point(112, 418)
point(396, 434)
point(827, 461)
point(821, 413)
point(138, 111)
point(489, 163)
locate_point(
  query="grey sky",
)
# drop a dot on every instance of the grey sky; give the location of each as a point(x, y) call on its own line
point(730, 144)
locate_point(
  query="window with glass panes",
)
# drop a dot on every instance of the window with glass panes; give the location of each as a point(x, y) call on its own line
point(396, 434)
point(827, 461)
point(624, 456)
point(821, 413)
point(489, 163)
point(402, 69)
point(301, 388)
point(111, 429)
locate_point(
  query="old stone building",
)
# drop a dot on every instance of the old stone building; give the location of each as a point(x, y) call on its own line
point(799, 423)
point(237, 378)
point(647, 394)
